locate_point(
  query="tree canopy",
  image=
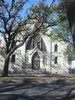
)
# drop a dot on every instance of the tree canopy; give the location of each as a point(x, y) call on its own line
point(18, 23)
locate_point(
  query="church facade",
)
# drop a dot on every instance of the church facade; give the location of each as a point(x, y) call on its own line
point(40, 53)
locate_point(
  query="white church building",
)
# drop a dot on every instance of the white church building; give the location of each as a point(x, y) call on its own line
point(40, 53)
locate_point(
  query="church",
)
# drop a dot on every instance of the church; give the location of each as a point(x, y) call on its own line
point(40, 54)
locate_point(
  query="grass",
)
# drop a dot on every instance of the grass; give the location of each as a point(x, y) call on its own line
point(40, 79)
point(20, 79)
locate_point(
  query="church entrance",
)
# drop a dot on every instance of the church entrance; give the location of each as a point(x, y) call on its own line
point(36, 61)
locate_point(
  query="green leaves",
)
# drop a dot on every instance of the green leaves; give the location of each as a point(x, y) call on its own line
point(60, 32)
point(70, 53)
point(41, 11)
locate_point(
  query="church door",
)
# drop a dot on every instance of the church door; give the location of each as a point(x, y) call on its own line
point(36, 61)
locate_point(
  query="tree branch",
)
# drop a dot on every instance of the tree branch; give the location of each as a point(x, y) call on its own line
point(4, 21)
point(12, 4)
point(52, 3)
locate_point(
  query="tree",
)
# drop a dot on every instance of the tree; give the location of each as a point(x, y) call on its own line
point(70, 53)
point(61, 31)
point(10, 26)
point(15, 28)
point(69, 6)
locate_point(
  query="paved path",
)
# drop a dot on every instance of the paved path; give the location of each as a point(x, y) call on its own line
point(34, 89)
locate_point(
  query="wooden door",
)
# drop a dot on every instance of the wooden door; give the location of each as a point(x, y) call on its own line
point(36, 61)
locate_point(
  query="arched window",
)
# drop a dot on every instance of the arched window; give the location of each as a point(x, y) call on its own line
point(36, 61)
point(36, 40)
point(56, 48)
point(56, 60)
point(13, 58)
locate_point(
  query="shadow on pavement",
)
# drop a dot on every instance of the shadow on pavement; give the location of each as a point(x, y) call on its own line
point(30, 89)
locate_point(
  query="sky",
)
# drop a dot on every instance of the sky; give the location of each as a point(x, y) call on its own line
point(30, 3)
point(34, 2)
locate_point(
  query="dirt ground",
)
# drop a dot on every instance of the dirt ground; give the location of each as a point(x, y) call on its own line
point(37, 88)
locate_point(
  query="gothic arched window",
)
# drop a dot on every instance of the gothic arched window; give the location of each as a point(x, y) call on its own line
point(34, 41)
point(55, 60)
point(36, 61)
point(56, 48)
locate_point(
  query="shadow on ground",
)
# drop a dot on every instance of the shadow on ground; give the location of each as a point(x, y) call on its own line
point(31, 89)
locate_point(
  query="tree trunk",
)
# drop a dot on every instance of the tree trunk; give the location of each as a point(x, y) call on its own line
point(6, 66)
point(69, 6)
point(73, 36)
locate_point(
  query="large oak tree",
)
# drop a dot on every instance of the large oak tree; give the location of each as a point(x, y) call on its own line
point(16, 28)
point(16, 25)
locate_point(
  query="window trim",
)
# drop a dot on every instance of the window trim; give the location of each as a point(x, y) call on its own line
point(56, 60)
point(56, 48)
